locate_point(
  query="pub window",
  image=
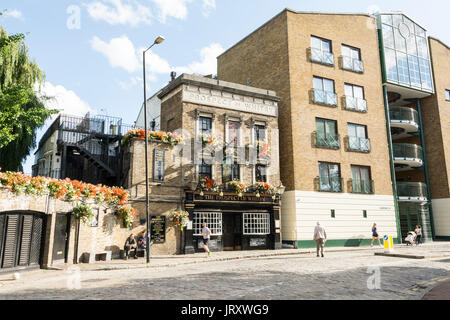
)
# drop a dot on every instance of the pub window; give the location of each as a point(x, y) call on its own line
point(260, 133)
point(158, 164)
point(231, 172)
point(233, 139)
point(261, 173)
point(213, 222)
point(256, 223)
point(205, 125)
point(205, 170)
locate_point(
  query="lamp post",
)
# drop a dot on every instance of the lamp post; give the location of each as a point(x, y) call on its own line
point(158, 40)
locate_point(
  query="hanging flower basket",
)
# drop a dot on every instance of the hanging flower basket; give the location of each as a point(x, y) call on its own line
point(208, 140)
point(179, 218)
point(157, 136)
point(127, 214)
point(84, 213)
point(236, 186)
point(205, 183)
point(263, 188)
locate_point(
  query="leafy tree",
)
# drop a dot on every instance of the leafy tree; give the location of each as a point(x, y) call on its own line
point(22, 109)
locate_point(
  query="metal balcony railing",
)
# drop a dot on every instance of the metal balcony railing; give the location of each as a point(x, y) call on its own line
point(355, 104)
point(351, 64)
point(319, 56)
point(412, 190)
point(328, 184)
point(362, 186)
point(357, 144)
point(324, 97)
point(406, 151)
point(404, 114)
point(329, 141)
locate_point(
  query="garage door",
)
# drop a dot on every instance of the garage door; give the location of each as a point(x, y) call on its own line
point(21, 237)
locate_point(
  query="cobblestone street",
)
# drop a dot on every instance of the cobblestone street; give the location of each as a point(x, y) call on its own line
point(340, 275)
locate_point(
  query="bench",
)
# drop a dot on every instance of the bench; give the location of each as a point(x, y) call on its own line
point(89, 257)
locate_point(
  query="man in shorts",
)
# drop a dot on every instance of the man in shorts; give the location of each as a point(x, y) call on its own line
point(206, 233)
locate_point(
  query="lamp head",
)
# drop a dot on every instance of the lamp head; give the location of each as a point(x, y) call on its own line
point(159, 40)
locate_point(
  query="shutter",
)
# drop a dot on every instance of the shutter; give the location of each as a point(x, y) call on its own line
point(36, 241)
point(24, 255)
point(10, 245)
point(2, 227)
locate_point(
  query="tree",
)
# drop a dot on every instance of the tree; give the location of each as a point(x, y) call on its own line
point(22, 108)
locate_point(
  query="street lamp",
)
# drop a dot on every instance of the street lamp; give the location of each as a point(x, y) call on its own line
point(158, 40)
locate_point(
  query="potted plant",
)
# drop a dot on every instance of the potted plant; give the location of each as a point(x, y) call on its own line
point(236, 186)
point(127, 214)
point(179, 218)
point(83, 212)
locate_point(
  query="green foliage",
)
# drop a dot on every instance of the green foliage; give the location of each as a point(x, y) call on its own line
point(22, 110)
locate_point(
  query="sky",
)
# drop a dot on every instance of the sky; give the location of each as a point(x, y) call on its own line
point(91, 50)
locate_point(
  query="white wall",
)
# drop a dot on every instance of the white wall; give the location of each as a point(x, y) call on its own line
point(441, 215)
point(301, 210)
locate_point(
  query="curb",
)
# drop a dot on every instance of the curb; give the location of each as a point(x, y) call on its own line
point(408, 256)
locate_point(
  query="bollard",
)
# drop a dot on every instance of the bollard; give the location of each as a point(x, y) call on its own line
point(388, 244)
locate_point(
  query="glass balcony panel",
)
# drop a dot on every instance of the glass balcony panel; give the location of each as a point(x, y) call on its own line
point(356, 104)
point(403, 114)
point(362, 186)
point(330, 184)
point(321, 56)
point(412, 189)
point(325, 97)
point(358, 144)
point(409, 151)
point(327, 141)
point(352, 64)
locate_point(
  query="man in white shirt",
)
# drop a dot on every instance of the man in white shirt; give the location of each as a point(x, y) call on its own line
point(320, 236)
point(206, 233)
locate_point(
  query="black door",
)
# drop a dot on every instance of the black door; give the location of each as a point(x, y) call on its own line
point(21, 238)
point(60, 240)
point(232, 231)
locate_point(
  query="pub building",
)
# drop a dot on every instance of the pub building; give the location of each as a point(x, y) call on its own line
point(230, 140)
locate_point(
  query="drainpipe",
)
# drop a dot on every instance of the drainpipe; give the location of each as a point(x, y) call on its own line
point(391, 162)
point(425, 166)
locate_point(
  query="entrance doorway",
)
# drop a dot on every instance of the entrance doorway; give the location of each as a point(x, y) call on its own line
point(21, 240)
point(232, 231)
point(60, 243)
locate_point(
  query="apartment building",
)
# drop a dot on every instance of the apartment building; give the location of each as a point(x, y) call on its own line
point(334, 137)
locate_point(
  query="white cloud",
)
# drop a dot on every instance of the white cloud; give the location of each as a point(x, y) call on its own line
point(119, 12)
point(208, 62)
point(208, 6)
point(172, 8)
point(119, 51)
point(16, 14)
point(65, 100)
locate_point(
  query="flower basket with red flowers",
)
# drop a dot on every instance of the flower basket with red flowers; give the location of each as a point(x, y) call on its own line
point(159, 136)
point(236, 186)
point(205, 183)
point(263, 188)
point(179, 218)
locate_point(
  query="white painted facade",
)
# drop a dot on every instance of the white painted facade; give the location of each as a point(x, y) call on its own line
point(301, 210)
point(441, 216)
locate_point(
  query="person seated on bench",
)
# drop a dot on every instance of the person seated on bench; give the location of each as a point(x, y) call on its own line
point(130, 243)
point(142, 242)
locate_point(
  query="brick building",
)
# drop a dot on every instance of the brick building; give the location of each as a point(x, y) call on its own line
point(229, 134)
point(345, 158)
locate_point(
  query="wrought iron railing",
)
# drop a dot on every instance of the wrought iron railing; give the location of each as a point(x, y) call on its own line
point(408, 151)
point(352, 64)
point(357, 144)
point(412, 190)
point(361, 186)
point(330, 141)
point(328, 184)
point(403, 114)
point(320, 56)
point(324, 97)
point(355, 104)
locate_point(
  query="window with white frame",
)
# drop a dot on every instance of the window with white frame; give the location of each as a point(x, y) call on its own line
point(256, 223)
point(213, 222)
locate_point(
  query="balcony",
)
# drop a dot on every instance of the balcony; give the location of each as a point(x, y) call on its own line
point(356, 144)
point(328, 184)
point(322, 97)
point(351, 64)
point(329, 141)
point(355, 104)
point(322, 57)
point(412, 192)
point(407, 156)
point(404, 120)
point(361, 186)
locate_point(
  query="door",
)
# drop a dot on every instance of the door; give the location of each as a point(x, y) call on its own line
point(60, 240)
point(228, 232)
point(21, 237)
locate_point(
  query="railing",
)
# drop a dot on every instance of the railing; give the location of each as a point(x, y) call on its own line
point(330, 141)
point(319, 56)
point(324, 97)
point(355, 104)
point(412, 190)
point(328, 184)
point(362, 186)
point(403, 114)
point(357, 144)
point(351, 64)
point(408, 151)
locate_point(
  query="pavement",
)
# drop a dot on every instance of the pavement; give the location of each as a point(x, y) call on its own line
point(290, 274)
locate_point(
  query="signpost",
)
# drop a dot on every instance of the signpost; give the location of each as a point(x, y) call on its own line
point(388, 244)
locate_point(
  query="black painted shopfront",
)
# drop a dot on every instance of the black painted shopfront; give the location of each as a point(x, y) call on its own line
point(244, 222)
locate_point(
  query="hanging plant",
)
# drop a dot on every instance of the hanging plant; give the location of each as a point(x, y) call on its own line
point(263, 188)
point(84, 213)
point(127, 214)
point(179, 218)
point(205, 183)
point(236, 186)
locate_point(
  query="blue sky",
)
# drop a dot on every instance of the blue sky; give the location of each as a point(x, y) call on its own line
point(90, 50)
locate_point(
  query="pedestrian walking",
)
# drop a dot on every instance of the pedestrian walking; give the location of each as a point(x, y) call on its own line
point(320, 236)
point(418, 232)
point(206, 233)
point(375, 235)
